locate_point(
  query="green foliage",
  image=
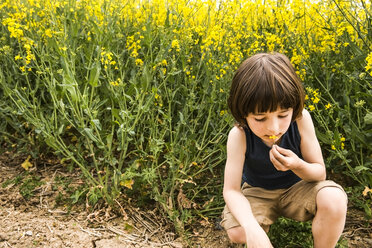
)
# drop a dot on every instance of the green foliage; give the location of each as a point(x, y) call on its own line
point(134, 94)
point(27, 183)
point(288, 233)
point(343, 114)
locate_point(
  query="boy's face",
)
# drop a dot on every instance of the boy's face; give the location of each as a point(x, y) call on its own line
point(270, 126)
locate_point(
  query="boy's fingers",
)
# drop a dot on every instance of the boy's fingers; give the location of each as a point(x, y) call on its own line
point(276, 162)
point(276, 153)
point(280, 159)
point(282, 151)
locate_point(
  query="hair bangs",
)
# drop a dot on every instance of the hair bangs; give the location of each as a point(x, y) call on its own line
point(264, 83)
point(270, 94)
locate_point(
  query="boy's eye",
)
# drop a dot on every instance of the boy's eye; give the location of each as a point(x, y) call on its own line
point(283, 116)
point(262, 119)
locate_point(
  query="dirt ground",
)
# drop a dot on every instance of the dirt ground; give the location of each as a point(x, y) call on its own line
point(40, 222)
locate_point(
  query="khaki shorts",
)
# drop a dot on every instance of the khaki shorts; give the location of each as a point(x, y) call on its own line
point(297, 202)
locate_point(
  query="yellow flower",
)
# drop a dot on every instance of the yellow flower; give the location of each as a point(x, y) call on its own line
point(134, 54)
point(273, 137)
point(176, 45)
point(139, 62)
point(311, 107)
point(114, 83)
point(127, 183)
point(26, 164)
point(315, 93)
point(366, 191)
point(315, 99)
point(369, 63)
point(328, 106)
point(48, 33)
point(333, 147)
point(359, 104)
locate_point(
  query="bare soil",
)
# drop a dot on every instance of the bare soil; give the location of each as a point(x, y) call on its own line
point(42, 220)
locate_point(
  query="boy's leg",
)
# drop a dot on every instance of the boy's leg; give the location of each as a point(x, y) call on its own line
point(263, 204)
point(325, 202)
point(329, 220)
point(237, 234)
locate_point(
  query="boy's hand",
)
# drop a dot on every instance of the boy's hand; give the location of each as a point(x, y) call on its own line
point(284, 159)
point(256, 237)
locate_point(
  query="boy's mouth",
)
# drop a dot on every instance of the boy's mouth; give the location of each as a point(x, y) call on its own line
point(274, 139)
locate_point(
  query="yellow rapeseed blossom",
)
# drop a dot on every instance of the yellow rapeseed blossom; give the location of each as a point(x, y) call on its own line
point(359, 104)
point(139, 62)
point(366, 191)
point(315, 99)
point(27, 164)
point(175, 45)
point(48, 33)
point(223, 112)
point(342, 144)
point(116, 82)
point(369, 63)
point(127, 183)
point(222, 33)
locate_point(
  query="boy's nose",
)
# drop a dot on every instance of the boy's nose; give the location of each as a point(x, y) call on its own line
point(273, 127)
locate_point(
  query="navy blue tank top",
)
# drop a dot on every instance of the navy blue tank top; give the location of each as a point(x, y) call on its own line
point(258, 170)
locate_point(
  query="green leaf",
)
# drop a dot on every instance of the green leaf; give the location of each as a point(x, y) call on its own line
point(97, 124)
point(90, 134)
point(323, 137)
point(94, 75)
point(361, 168)
point(60, 129)
point(368, 118)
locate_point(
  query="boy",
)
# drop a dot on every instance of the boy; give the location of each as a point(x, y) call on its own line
point(274, 163)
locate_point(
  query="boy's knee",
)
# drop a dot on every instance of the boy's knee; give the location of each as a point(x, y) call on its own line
point(236, 235)
point(332, 200)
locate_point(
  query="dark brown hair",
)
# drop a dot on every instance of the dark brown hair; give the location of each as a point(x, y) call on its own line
point(263, 83)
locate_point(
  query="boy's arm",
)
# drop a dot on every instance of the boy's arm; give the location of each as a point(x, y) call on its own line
point(234, 198)
point(311, 167)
